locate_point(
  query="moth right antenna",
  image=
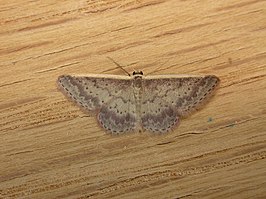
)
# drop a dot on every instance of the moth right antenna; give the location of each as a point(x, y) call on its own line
point(159, 66)
point(119, 66)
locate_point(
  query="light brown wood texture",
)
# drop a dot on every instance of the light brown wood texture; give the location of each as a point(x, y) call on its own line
point(51, 149)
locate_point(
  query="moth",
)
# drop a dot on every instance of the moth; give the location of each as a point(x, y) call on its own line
point(137, 103)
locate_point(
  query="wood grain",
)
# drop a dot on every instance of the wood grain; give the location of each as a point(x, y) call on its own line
point(50, 149)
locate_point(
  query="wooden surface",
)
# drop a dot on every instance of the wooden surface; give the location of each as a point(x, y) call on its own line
point(50, 149)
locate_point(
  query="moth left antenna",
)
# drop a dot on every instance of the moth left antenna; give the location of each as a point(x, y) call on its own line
point(119, 66)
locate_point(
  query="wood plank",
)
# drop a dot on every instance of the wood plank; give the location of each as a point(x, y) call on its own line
point(51, 149)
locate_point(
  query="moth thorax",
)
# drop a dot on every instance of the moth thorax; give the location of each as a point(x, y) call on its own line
point(137, 82)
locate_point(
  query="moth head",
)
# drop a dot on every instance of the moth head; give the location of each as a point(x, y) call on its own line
point(139, 73)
